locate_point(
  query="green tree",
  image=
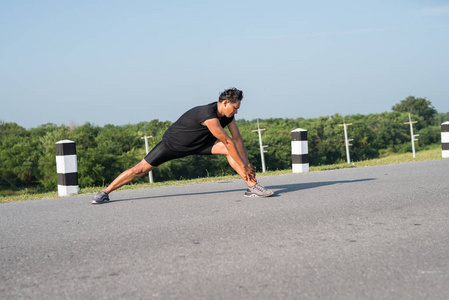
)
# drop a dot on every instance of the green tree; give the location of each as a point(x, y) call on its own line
point(441, 118)
point(17, 156)
point(417, 106)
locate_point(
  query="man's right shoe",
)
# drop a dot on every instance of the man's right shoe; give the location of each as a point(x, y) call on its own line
point(258, 190)
point(100, 197)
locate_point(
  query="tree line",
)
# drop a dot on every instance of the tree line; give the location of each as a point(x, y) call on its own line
point(27, 156)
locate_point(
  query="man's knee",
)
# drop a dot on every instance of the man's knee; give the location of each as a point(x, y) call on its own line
point(219, 148)
point(141, 168)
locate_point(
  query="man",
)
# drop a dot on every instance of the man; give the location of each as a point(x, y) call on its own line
point(199, 131)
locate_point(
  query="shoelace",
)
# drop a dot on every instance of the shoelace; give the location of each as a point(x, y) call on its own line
point(259, 187)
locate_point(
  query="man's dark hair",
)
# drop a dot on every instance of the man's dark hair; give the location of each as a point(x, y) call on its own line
point(232, 95)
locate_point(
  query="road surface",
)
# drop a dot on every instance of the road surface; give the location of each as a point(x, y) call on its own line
point(364, 233)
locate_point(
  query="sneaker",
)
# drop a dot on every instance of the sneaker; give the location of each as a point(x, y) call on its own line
point(258, 190)
point(100, 197)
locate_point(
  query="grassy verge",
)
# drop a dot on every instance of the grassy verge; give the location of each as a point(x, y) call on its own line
point(394, 158)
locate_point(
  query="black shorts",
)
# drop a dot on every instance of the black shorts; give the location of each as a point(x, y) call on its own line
point(161, 153)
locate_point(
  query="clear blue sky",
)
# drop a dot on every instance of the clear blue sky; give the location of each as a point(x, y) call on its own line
point(121, 62)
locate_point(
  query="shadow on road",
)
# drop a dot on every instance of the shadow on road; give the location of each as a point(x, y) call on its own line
point(287, 188)
point(278, 189)
point(179, 195)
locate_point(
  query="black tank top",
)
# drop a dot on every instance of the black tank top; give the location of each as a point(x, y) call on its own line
point(187, 133)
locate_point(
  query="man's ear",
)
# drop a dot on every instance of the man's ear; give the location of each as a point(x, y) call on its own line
point(225, 103)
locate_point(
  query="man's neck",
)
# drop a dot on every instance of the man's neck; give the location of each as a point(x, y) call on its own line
point(219, 106)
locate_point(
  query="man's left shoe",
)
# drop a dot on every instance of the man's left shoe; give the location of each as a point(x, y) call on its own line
point(258, 190)
point(100, 197)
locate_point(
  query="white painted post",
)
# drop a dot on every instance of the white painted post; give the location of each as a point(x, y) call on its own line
point(413, 136)
point(261, 145)
point(445, 139)
point(347, 144)
point(150, 174)
point(300, 151)
point(66, 167)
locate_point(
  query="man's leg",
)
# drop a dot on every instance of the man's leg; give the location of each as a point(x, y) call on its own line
point(254, 188)
point(220, 148)
point(129, 175)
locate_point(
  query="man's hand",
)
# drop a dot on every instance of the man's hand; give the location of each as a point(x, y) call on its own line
point(250, 173)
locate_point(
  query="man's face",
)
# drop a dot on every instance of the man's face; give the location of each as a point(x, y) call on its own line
point(231, 108)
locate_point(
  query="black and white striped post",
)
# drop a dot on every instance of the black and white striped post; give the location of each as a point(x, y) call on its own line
point(445, 139)
point(67, 168)
point(300, 151)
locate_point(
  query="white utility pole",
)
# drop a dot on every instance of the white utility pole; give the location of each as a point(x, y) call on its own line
point(348, 156)
point(150, 174)
point(261, 146)
point(411, 133)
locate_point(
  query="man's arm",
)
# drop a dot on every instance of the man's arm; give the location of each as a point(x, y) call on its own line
point(238, 140)
point(236, 136)
point(215, 128)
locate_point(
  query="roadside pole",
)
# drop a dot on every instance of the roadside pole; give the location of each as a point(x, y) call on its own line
point(150, 174)
point(348, 156)
point(411, 133)
point(262, 150)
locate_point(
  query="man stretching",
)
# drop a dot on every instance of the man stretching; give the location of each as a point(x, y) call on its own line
point(199, 131)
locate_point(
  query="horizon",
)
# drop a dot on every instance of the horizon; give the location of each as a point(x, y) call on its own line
point(74, 125)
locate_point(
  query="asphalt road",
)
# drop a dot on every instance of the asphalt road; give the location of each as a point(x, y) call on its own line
point(364, 233)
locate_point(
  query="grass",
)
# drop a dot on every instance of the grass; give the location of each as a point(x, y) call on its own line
point(393, 158)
